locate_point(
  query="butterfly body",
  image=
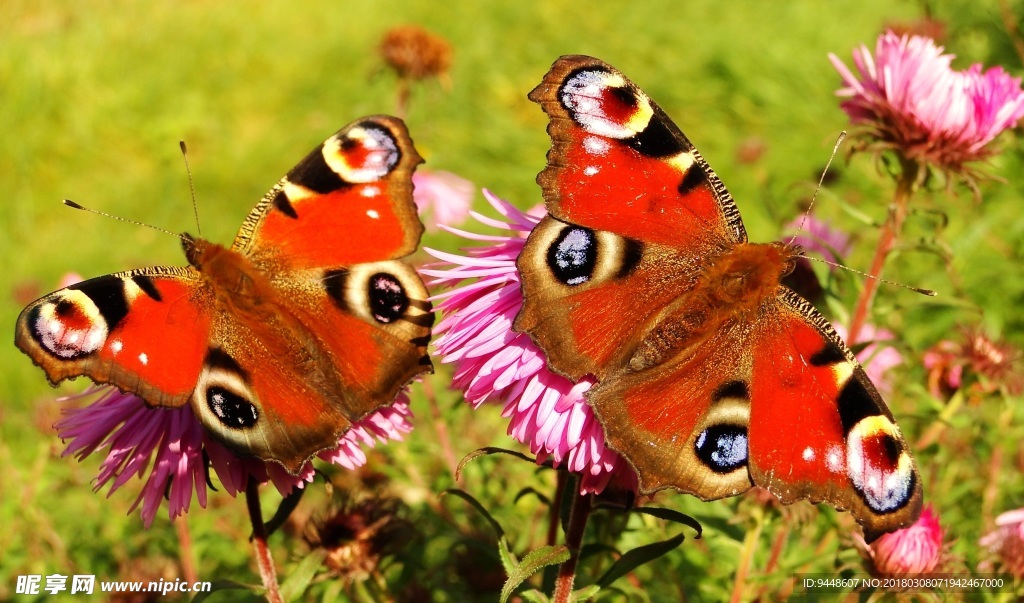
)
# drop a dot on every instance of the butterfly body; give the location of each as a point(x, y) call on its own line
point(711, 375)
point(306, 324)
point(731, 288)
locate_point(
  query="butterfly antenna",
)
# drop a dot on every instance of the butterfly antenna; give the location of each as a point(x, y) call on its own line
point(920, 290)
point(800, 227)
point(821, 180)
point(74, 205)
point(191, 186)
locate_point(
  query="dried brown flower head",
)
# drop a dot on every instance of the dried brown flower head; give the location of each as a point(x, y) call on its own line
point(990, 366)
point(359, 534)
point(415, 53)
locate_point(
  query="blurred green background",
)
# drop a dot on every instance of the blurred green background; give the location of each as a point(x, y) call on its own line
point(95, 95)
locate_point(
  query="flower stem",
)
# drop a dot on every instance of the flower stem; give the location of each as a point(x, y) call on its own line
point(995, 465)
point(185, 554)
point(556, 505)
point(578, 515)
point(440, 426)
point(938, 427)
point(259, 540)
point(747, 557)
point(402, 97)
point(905, 187)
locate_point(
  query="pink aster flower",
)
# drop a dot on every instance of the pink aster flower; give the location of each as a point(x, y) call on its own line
point(878, 356)
point(911, 100)
point(913, 550)
point(168, 449)
point(442, 197)
point(1007, 541)
point(494, 364)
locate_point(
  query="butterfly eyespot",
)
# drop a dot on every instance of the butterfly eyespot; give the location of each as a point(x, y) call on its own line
point(231, 409)
point(388, 301)
point(70, 326)
point(572, 256)
point(879, 467)
point(365, 153)
point(722, 447)
point(603, 103)
point(224, 398)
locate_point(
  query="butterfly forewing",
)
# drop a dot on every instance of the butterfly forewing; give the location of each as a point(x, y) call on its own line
point(356, 187)
point(849, 452)
point(619, 164)
point(144, 331)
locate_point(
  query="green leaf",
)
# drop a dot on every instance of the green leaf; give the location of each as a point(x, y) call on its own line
point(596, 548)
point(284, 510)
point(673, 516)
point(218, 585)
point(637, 557)
point(719, 525)
point(585, 593)
point(531, 490)
point(508, 558)
point(487, 451)
point(295, 586)
point(466, 496)
point(534, 596)
point(533, 561)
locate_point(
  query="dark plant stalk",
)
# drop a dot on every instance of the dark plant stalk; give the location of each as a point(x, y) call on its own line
point(259, 541)
point(578, 515)
point(556, 506)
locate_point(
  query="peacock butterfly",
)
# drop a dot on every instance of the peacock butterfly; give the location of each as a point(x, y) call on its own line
point(307, 323)
point(712, 375)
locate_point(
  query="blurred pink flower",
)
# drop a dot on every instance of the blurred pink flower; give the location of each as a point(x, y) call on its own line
point(493, 363)
point(993, 366)
point(168, 449)
point(913, 550)
point(442, 197)
point(1007, 541)
point(913, 102)
point(817, 237)
point(878, 356)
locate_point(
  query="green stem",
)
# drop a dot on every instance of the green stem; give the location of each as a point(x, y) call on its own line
point(747, 557)
point(578, 515)
point(936, 429)
point(990, 495)
point(259, 541)
point(898, 209)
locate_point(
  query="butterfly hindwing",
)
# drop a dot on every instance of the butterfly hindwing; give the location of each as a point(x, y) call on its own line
point(688, 417)
point(588, 295)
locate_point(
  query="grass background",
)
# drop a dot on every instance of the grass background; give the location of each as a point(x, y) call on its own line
point(94, 96)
